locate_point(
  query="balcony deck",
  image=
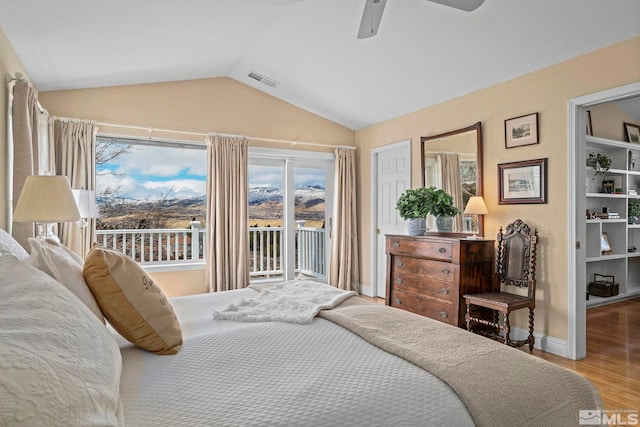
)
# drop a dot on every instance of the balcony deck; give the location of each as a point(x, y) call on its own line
point(185, 246)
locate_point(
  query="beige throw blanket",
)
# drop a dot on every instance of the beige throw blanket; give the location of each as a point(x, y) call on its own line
point(501, 386)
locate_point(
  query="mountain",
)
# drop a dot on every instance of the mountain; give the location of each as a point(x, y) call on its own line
point(265, 208)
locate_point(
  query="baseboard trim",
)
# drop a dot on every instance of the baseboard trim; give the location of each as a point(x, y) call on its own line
point(366, 290)
point(543, 342)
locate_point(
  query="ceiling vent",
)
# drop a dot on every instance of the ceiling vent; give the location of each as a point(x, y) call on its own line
point(263, 79)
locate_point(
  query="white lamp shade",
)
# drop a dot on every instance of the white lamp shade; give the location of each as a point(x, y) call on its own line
point(46, 199)
point(86, 201)
point(476, 206)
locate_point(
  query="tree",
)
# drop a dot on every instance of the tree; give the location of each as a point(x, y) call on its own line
point(107, 151)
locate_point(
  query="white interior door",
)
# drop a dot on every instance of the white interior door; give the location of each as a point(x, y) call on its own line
point(392, 178)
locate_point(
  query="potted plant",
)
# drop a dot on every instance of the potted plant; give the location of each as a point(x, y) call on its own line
point(441, 206)
point(600, 162)
point(634, 211)
point(413, 206)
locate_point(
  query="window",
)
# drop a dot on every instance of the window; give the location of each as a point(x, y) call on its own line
point(152, 198)
point(152, 201)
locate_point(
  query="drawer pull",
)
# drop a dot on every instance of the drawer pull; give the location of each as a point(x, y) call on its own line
point(396, 245)
point(445, 271)
point(443, 314)
point(398, 301)
point(442, 250)
point(399, 263)
point(399, 281)
point(444, 291)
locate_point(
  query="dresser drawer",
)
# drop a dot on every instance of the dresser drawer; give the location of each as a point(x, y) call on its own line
point(429, 269)
point(438, 310)
point(439, 250)
point(436, 289)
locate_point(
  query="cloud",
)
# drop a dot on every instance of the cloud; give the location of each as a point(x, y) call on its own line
point(163, 161)
point(151, 173)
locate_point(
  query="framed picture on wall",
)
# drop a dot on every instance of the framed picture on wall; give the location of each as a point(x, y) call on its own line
point(522, 182)
point(632, 132)
point(521, 131)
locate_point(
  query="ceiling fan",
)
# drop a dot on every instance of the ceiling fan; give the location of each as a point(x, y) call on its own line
point(373, 13)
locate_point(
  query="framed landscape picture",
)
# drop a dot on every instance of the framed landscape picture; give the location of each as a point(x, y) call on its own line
point(521, 131)
point(522, 182)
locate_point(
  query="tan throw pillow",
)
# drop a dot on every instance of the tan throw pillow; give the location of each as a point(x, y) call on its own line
point(132, 303)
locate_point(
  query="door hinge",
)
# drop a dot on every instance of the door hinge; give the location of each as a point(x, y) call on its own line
point(577, 245)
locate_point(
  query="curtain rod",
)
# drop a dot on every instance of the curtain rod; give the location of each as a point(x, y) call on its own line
point(252, 138)
point(10, 78)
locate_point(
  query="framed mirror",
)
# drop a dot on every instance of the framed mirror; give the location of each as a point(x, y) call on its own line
point(453, 161)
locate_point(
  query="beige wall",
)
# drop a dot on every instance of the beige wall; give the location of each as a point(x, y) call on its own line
point(607, 121)
point(180, 283)
point(207, 105)
point(546, 92)
point(9, 64)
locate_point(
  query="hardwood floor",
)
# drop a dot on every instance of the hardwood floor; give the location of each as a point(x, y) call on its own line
point(613, 353)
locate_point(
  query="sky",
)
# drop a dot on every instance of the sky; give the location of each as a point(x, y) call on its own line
point(151, 173)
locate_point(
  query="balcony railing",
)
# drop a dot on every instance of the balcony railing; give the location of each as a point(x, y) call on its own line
point(187, 245)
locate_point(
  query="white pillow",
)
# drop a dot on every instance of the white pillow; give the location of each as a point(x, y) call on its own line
point(59, 366)
point(54, 259)
point(9, 246)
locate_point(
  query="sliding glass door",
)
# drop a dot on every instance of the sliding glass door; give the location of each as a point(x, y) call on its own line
point(290, 198)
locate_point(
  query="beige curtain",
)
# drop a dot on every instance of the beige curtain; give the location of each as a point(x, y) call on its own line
point(73, 143)
point(227, 264)
point(450, 169)
point(344, 241)
point(25, 111)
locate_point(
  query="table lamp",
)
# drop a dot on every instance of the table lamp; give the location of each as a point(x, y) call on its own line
point(46, 200)
point(86, 201)
point(475, 207)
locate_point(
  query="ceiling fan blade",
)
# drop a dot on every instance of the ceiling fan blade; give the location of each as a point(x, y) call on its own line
point(371, 18)
point(466, 5)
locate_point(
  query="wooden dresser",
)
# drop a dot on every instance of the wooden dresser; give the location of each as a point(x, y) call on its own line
point(428, 275)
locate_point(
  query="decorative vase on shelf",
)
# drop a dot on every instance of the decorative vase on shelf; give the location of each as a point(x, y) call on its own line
point(416, 226)
point(444, 223)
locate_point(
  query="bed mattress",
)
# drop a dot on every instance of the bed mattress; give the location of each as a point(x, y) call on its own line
point(277, 374)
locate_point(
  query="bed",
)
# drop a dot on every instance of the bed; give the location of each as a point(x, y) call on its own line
point(357, 364)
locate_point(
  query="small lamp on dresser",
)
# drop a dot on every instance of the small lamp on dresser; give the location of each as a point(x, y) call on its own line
point(475, 207)
point(46, 200)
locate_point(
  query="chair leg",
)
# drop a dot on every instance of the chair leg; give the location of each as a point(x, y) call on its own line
point(507, 328)
point(531, 339)
point(467, 316)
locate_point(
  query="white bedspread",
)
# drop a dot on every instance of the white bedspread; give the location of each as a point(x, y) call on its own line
point(277, 374)
point(297, 301)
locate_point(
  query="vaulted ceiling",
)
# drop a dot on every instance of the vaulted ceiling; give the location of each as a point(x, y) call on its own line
point(423, 54)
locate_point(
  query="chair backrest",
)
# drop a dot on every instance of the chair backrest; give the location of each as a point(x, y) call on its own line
point(516, 258)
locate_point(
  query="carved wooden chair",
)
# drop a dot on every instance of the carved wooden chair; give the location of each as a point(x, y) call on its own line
point(515, 266)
